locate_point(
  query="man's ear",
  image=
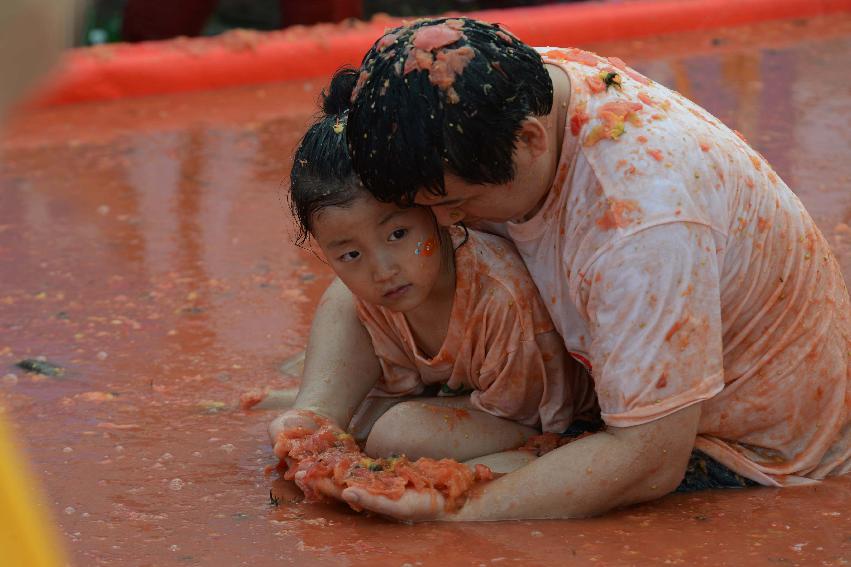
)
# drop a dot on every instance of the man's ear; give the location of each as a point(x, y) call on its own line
point(533, 136)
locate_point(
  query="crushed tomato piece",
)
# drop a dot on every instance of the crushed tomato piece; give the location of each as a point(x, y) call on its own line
point(595, 84)
point(575, 55)
point(386, 41)
point(613, 116)
point(430, 38)
point(579, 119)
point(634, 75)
point(454, 24)
point(251, 398)
point(418, 60)
point(448, 64)
point(618, 213)
point(656, 154)
point(646, 98)
point(331, 454)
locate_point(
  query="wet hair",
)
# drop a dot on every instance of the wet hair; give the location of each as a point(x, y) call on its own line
point(442, 96)
point(322, 174)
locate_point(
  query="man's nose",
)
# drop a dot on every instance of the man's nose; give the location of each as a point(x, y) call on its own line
point(447, 216)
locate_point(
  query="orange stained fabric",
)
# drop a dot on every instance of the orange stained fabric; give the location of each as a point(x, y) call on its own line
point(500, 343)
point(682, 269)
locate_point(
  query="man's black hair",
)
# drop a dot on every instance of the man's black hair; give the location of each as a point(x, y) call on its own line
point(322, 174)
point(442, 96)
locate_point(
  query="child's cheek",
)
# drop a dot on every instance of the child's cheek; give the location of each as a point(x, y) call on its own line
point(426, 247)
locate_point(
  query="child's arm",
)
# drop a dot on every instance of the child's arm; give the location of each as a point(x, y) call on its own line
point(340, 364)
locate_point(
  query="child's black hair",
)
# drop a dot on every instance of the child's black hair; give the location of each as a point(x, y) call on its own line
point(443, 95)
point(322, 174)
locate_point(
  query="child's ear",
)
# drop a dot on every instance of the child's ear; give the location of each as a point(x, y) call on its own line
point(533, 135)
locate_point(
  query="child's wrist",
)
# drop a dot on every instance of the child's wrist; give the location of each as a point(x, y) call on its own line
point(311, 411)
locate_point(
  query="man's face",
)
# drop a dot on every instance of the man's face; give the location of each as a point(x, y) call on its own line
point(469, 202)
point(534, 163)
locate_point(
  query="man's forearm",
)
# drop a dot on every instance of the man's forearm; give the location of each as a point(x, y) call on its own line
point(593, 475)
point(340, 365)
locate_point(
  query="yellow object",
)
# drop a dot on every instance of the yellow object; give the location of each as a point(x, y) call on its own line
point(26, 534)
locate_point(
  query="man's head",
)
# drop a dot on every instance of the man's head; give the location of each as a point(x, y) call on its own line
point(443, 103)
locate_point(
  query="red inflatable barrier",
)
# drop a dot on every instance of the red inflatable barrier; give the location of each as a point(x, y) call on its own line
point(247, 57)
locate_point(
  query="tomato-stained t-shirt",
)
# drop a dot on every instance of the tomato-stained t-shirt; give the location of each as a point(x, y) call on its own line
point(501, 343)
point(679, 268)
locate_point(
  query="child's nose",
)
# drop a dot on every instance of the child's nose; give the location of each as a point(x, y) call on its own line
point(384, 269)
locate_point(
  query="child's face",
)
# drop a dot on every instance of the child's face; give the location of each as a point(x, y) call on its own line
point(385, 255)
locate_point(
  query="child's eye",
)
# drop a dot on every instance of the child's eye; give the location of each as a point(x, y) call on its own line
point(349, 256)
point(398, 234)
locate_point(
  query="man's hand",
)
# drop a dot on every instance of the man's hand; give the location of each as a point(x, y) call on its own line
point(413, 506)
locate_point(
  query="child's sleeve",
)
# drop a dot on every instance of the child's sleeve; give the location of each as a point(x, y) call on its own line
point(526, 375)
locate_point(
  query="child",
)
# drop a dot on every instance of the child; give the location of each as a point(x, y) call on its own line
point(446, 309)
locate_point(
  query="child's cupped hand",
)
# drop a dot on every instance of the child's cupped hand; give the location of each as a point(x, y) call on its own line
point(324, 486)
point(290, 422)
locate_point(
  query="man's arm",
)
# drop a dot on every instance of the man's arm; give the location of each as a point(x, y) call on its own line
point(614, 468)
point(340, 364)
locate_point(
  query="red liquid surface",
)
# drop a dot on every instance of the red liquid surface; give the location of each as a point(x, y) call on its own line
point(145, 247)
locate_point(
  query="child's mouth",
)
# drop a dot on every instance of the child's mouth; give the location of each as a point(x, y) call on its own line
point(397, 292)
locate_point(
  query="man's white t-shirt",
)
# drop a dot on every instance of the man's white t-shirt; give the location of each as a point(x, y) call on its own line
point(680, 269)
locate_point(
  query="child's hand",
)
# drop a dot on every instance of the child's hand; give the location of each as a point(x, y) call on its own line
point(292, 420)
point(324, 486)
